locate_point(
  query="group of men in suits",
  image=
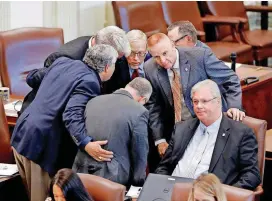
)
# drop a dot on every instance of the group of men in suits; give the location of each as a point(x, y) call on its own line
point(115, 126)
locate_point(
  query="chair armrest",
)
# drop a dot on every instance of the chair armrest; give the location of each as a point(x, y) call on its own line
point(261, 9)
point(220, 20)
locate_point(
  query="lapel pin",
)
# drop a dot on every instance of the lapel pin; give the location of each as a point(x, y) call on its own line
point(223, 134)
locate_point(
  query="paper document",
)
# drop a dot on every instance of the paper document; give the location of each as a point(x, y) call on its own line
point(134, 192)
point(236, 66)
point(8, 169)
point(10, 108)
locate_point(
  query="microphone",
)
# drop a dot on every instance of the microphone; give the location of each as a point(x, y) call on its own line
point(233, 57)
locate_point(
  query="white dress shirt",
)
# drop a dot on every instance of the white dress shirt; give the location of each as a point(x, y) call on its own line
point(198, 154)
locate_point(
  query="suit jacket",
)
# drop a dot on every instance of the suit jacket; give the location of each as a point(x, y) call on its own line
point(196, 64)
point(74, 49)
point(234, 160)
point(123, 122)
point(42, 131)
point(202, 45)
point(120, 77)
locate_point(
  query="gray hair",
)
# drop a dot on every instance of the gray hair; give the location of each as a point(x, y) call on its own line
point(214, 89)
point(99, 56)
point(136, 35)
point(142, 86)
point(115, 37)
point(184, 28)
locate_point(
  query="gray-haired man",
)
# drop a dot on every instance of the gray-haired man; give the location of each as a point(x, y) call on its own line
point(48, 132)
point(121, 119)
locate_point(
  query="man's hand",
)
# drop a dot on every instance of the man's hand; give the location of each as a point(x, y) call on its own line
point(94, 150)
point(162, 148)
point(236, 114)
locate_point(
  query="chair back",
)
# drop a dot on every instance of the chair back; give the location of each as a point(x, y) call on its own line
point(220, 8)
point(182, 10)
point(6, 154)
point(25, 49)
point(259, 127)
point(102, 189)
point(146, 16)
point(181, 192)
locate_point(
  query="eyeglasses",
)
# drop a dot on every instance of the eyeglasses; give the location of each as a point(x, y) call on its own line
point(176, 41)
point(203, 102)
point(139, 54)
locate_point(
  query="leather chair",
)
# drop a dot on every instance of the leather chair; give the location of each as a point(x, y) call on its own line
point(260, 40)
point(6, 154)
point(102, 189)
point(259, 126)
point(188, 10)
point(25, 49)
point(146, 16)
point(181, 193)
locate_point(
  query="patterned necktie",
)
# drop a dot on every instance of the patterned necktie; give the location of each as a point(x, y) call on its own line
point(176, 90)
point(195, 161)
point(135, 74)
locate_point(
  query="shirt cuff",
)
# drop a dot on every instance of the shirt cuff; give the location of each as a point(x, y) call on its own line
point(85, 142)
point(159, 141)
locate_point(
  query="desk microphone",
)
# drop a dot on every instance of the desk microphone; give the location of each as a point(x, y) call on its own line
point(233, 57)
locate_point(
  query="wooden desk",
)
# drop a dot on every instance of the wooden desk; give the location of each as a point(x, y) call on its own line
point(257, 97)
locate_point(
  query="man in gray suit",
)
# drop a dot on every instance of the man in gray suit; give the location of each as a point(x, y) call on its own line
point(172, 73)
point(121, 119)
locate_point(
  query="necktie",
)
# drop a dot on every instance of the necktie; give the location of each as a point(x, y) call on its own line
point(135, 74)
point(176, 90)
point(192, 166)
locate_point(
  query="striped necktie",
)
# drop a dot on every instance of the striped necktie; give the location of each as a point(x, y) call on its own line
point(135, 74)
point(176, 90)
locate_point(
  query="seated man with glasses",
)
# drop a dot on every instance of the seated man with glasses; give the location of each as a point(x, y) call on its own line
point(129, 67)
point(212, 143)
point(184, 34)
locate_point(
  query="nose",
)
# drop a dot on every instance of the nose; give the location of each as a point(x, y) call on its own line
point(162, 59)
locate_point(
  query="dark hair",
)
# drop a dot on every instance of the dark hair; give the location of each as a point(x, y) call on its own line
point(71, 186)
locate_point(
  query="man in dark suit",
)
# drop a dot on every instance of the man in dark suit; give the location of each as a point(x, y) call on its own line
point(172, 73)
point(129, 67)
point(48, 132)
point(121, 119)
point(75, 49)
point(212, 143)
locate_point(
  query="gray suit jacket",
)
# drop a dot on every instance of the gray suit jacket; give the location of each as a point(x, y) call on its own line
point(196, 64)
point(123, 122)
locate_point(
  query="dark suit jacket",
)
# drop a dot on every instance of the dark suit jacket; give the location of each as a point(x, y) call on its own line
point(74, 49)
point(196, 64)
point(234, 160)
point(42, 131)
point(123, 122)
point(120, 77)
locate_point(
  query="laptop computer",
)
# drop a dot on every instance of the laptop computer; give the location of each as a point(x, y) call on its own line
point(159, 187)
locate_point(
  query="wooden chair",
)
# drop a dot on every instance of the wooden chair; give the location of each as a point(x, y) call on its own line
point(25, 49)
point(260, 40)
point(144, 15)
point(188, 10)
point(102, 189)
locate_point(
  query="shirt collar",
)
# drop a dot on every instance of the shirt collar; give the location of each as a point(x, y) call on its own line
point(176, 64)
point(214, 127)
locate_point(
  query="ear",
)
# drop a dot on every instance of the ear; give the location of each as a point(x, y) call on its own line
point(106, 68)
point(189, 38)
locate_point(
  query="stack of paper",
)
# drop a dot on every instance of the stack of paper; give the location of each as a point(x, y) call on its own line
point(134, 192)
point(8, 169)
point(10, 109)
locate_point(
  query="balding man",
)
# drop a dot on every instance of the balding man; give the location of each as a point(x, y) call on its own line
point(122, 120)
point(131, 66)
point(172, 73)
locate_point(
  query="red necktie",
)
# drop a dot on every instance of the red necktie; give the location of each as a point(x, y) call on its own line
point(135, 74)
